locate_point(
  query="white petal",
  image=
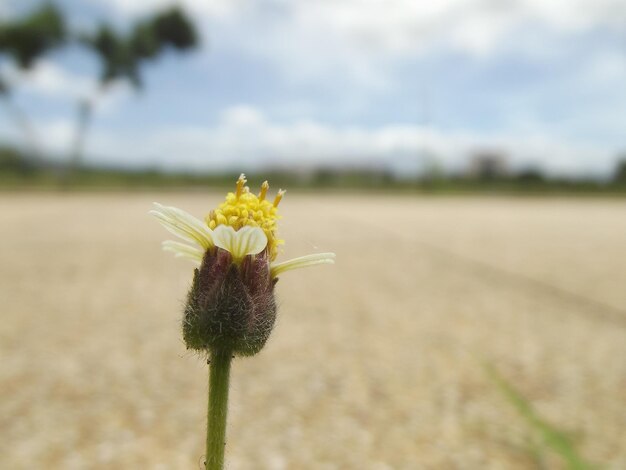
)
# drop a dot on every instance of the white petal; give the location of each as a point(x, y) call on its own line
point(182, 250)
point(245, 241)
point(183, 225)
point(302, 262)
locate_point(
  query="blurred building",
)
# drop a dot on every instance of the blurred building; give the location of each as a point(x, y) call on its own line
point(619, 175)
point(488, 165)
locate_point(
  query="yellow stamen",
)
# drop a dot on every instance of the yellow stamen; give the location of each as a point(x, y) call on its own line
point(240, 184)
point(243, 208)
point(279, 196)
point(264, 187)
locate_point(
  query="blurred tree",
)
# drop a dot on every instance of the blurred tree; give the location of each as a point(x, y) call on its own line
point(12, 161)
point(28, 38)
point(122, 56)
point(530, 176)
point(25, 40)
point(620, 171)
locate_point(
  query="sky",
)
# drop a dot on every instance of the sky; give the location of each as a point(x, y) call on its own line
point(401, 84)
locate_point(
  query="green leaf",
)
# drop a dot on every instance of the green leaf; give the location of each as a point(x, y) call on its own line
point(555, 439)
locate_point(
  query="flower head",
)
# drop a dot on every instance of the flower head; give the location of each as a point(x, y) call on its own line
point(245, 209)
point(231, 303)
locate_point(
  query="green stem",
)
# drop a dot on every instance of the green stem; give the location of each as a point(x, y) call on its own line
point(219, 375)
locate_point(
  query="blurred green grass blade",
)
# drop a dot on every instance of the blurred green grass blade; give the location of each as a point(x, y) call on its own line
point(556, 440)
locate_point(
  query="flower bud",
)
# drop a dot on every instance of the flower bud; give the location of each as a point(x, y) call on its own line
point(230, 306)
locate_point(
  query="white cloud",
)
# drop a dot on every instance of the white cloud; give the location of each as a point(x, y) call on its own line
point(398, 27)
point(47, 79)
point(244, 139)
point(212, 8)
point(358, 42)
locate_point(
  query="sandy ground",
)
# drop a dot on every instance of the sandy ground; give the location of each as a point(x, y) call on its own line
point(374, 362)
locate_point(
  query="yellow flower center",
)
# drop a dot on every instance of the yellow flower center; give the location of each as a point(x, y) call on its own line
point(243, 208)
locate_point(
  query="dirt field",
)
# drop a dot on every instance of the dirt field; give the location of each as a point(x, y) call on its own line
point(374, 362)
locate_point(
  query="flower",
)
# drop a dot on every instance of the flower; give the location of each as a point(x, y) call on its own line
point(231, 227)
point(231, 302)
